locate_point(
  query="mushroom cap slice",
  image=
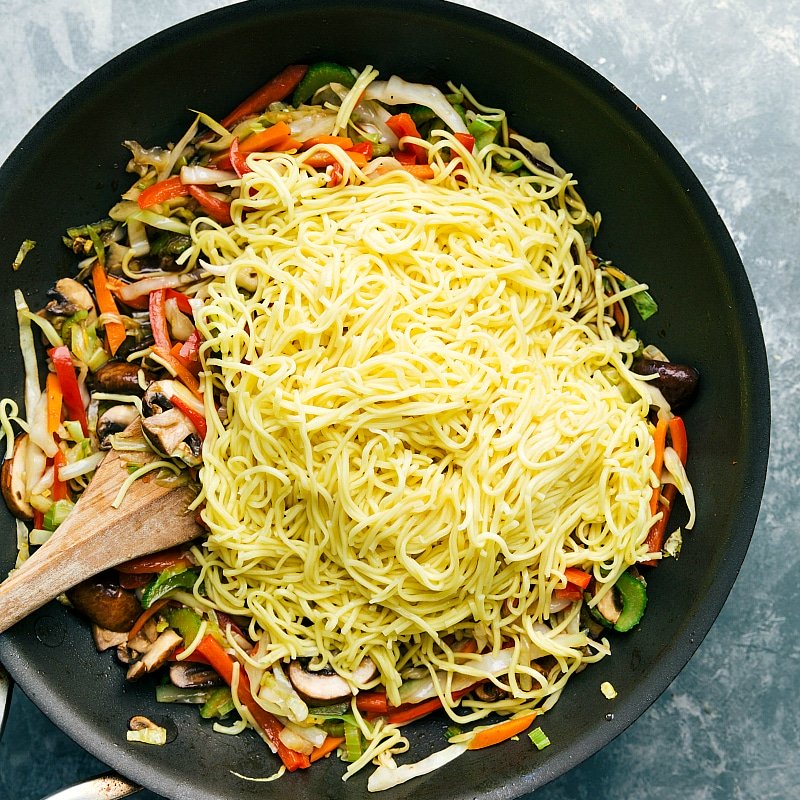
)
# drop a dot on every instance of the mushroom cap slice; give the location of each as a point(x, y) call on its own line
point(12, 480)
point(325, 684)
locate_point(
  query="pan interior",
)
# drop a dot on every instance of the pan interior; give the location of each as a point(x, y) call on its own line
point(658, 224)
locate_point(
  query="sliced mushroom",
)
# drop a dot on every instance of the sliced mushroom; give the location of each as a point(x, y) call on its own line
point(163, 647)
point(69, 297)
point(125, 655)
point(171, 433)
point(186, 675)
point(12, 480)
point(677, 382)
point(608, 607)
point(105, 639)
point(106, 603)
point(490, 693)
point(326, 684)
point(120, 377)
point(114, 420)
point(157, 397)
point(144, 638)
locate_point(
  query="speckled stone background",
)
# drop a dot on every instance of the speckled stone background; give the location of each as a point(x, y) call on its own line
point(721, 78)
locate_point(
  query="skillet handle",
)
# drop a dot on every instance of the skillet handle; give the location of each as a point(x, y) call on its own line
point(110, 786)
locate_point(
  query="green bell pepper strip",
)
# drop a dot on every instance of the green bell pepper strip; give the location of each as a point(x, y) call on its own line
point(319, 75)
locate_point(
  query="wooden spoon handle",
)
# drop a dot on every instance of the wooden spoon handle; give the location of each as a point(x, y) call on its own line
point(95, 537)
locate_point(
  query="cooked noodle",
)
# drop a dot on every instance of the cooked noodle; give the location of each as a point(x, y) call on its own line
point(424, 420)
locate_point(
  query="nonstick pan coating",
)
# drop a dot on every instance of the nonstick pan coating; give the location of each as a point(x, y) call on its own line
point(658, 224)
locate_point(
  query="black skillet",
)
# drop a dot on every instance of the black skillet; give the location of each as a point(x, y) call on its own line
point(659, 225)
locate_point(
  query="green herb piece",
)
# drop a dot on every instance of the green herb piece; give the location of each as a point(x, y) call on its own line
point(165, 583)
point(539, 738)
point(219, 704)
point(23, 251)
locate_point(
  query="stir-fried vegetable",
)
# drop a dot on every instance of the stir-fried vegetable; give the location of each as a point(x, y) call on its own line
point(125, 370)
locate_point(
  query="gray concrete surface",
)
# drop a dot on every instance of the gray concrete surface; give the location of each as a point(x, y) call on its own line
point(721, 78)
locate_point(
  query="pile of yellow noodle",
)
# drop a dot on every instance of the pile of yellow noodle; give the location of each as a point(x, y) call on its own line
point(423, 419)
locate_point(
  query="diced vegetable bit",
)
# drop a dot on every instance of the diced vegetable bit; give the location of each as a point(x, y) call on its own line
point(608, 690)
point(673, 545)
point(642, 301)
point(23, 251)
point(56, 514)
point(484, 131)
point(167, 693)
point(166, 582)
point(146, 731)
point(502, 731)
point(539, 738)
point(319, 75)
point(632, 594)
point(219, 703)
point(352, 742)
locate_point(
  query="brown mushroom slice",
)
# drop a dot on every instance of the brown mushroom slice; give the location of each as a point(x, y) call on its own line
point(68, 297)
point(171, 433)
point(106, 603)
point(144, 638)
point(12, 480)
point(119, 377)
point(186, 675)
point(325, 684)
point(158, 655)
point(608, 608)
point(114, 420)
point(105, 639)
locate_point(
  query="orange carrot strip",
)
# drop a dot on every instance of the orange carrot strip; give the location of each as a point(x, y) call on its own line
point(328, 746)
point(422, 172)
point(659, 442)
point(114, 330)
point(149, 612)
point(54, 402)
point(183, 374)
point(345, 142)
point(266, 139)
point(500, 732)
point(280, 87)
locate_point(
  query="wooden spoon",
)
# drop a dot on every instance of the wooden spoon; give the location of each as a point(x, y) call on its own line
point(96, 536)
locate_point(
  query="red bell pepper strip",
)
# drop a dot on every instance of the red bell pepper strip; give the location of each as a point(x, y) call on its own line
point(198, 420)
point(401, 126)
point(156, 562)
point(365, 148)
point(238, 159)
point(130, 580)
point(217, 209)
point(571, 592)
point(162, 191)
point(655, 537)
point(181, 299)
point(577, 577)
point(411, 711)
point(467, 139)
point(406, 159)
point(190, 349)
point(38, 519)
point(223, 665)
point(280, 87)
point(158, 319)
point(336, 174)
point(60, 490)
point(677, 435)
point(62, 362)
point(372, 703)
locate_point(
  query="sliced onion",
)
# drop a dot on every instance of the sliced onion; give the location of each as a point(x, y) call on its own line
point(206, 176)
point(396, 91)
point(131, 291)
point(677, 473)
point(82, 467)
point(384, 776)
